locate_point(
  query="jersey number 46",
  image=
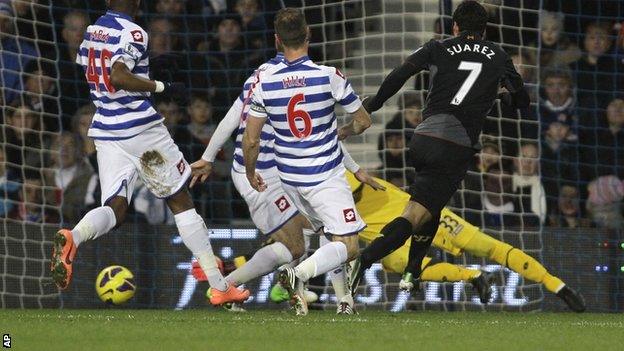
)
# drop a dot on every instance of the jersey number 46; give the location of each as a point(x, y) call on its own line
point(93, 76)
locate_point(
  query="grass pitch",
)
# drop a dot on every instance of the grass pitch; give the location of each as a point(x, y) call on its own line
point(320, 330)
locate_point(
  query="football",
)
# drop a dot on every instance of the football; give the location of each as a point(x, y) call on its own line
point(115, 285)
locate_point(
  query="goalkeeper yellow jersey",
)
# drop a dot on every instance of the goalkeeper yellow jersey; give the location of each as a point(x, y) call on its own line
point(378, 208)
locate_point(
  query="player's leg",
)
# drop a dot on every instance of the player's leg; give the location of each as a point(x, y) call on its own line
point(331, 206)
point(117, 184)
point(440, 167)
point(483, 245)
point(339, 278)
point(288, 245)
point(165, 173)
point(274, 215)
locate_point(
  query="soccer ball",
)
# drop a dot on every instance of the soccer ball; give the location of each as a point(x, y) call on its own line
point(115, 285)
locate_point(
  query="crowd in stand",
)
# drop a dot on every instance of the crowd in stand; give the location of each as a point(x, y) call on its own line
point(559, 163)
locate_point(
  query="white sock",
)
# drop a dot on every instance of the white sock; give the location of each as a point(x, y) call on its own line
point(94, 224)
point(195, 236)
point(339, 279)
point(263, 261)
point(326, 258)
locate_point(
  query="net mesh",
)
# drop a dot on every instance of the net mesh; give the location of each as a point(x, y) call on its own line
point(212, 46)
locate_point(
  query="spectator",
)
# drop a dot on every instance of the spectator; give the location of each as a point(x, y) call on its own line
point(603, 147)
point(226, 50)
point(556, 48)
point(9, 186)
point(409, 115)
point(70, 176)
point(494, 206)
point(559, 159)
point(527, 185)
point(15, 54)
point(170, 7)
point(174, 120)
point(391, 154)
point(253, 24)
point(568, 212)
point(206, 8)
point(32, 18)
point(23, 139)
point(74, 87)
point(81, 122)
point(489, 156)
point(32, 201)
point(558, 96)
point(595, 70)
point(604, 203)
point(165, 63)
point(41, 94)
point(201, 129)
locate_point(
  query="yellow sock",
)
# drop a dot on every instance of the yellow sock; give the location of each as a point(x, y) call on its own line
point(446, 272)
point(529, 268)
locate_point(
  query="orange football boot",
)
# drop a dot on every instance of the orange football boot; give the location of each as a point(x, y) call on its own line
point(232, 294)
point(63, 252)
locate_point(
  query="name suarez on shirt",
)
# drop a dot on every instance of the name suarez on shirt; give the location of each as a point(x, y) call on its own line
point(459, 48)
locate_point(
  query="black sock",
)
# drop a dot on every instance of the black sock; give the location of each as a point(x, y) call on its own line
point(394, 236)
point(421, 241)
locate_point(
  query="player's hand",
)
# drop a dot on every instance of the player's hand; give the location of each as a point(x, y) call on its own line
point(343, 133)
point(176, 91)
point(200, 170)
point(256, 182)
point(366, 178)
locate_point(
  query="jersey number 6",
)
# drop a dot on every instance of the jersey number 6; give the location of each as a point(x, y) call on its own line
point(92, 73)
point(292, 115)
point(475, 70)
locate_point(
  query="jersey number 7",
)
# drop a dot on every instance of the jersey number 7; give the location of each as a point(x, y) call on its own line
point(475, 70)
point(292, 115)
point(92, 72)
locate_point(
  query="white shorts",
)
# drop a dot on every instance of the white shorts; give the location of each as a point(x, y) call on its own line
point(270, 209)
point(151, 155)
point(328, 205)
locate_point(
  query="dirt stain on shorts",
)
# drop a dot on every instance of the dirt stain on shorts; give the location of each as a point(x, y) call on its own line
point(153, 164)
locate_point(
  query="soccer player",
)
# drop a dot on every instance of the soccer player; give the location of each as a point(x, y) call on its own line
point(466, 71)
point(298, 97)
point(455, 236)
point(271, 211)
point(131, 142)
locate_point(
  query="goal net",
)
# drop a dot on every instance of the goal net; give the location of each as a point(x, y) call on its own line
point(30, 201)
point(48, 172)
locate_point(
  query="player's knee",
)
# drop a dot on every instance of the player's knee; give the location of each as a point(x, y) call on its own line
point(119, 205)
point(180, 202)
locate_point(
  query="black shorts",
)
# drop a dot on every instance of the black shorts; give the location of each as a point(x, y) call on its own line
point(440, 167)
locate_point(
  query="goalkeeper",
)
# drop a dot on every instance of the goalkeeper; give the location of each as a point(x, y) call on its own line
point(454, 235)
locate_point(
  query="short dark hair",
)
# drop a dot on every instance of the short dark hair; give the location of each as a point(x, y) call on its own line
point(471, 16)
point(291, 27)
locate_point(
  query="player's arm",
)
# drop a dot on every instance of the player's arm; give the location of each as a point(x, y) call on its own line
point(415, 63)
point(343, 93)
point(132, 48)
point(202, 168)
point(518, 97)
point(359, 173)
point(360, 122)
point(256, 118)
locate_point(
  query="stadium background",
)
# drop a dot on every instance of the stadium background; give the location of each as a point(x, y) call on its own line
point(48, 176)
